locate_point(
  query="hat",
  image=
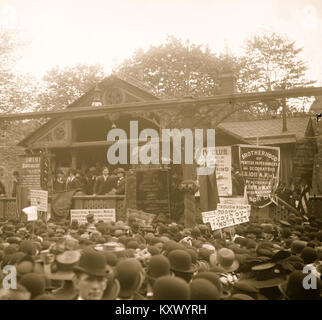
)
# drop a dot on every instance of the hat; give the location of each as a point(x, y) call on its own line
point(226, 259)
point(203, 289)
point(159, 266)
point(170, 288)
point(293, 288)
point(297, 246)
point(25, 265)
point(130, 275)
point(266, 275)
point(28, 247)
point(309, 255)
point(180, 260)
point(111, 258)
point(35, 283)
point(319, 252)
point(92, 263)
point(119, 170)
point(213, 278)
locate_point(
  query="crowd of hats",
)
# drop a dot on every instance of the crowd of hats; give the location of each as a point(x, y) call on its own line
point(259, 262)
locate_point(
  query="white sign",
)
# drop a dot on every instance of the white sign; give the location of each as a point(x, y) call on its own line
point(39, 199)
point(228, 215)
point(99, 214)
point(208, 216)
point(233, 200)
point(223, 171)
point(31, 213)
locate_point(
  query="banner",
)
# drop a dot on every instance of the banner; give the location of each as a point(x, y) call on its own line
point(260, 170)
point(143, 219)
point(99, 214)
point(30, 172)
point(228, 215)
point(39, 198)
point(208, 216)
point(223, 171)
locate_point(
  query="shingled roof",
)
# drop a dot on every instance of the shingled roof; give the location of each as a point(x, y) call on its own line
point(270, 131)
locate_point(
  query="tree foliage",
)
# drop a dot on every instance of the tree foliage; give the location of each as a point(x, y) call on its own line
point(62, 86)
point(175, 69)
point(271, 61)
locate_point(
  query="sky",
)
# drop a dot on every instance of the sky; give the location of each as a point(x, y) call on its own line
point(68, 32)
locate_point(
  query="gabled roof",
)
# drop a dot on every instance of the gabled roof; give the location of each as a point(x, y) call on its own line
point(270, 131)
point(133, 89)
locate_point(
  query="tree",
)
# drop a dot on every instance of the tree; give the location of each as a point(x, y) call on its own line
point(17, 91)
point(271, 62)
point(62, 86)
point(175, 69)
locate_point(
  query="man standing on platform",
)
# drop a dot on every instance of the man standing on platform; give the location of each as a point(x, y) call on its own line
point(120, 187)
point(104, 184)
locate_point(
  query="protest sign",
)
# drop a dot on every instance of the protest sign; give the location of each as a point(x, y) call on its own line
point(99, 214)
point(31, 213)
point(208, 215)
point(228, 215)
point(260, 170)
point(39, 198)
point(144, 219)
point(223, 171)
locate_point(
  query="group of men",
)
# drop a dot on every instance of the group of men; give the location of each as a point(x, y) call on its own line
point(91, 183)
point(126, 261)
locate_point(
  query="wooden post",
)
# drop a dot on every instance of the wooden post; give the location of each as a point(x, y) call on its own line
point(74, 159)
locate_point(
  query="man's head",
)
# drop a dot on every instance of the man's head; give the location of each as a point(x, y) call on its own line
point(105, 171)
point(72, 172)
point(90, 287)
point(120, 173)
point(16, 174)
point(91, 275)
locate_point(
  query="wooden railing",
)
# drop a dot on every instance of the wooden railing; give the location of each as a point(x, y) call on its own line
point(8, 207)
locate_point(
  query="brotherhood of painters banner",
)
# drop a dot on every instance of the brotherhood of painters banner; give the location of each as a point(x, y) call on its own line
point(260, 170)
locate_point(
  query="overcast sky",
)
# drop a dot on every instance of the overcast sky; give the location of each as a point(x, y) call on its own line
point(67, 32)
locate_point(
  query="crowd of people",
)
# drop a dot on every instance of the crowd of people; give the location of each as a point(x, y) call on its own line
point(91, 183)
point(128, 261)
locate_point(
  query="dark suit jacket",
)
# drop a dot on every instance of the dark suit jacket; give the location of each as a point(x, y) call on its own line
point(120, 189)
point(102, 187)
point(75, 185)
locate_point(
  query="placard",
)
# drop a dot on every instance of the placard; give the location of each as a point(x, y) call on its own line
point(99, 214)
point(31, 172)
point(223, 171)
point(228, 215)
point(260, 170)
point(39, 198)
point(144, 219)
point(152, 191)
point(31, 212)
point(207, 216)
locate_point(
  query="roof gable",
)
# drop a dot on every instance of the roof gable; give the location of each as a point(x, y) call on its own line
point(113, 90)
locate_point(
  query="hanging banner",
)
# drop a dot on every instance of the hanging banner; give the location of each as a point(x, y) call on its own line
point(260, 170)
point(223, 171)
point(31, 172)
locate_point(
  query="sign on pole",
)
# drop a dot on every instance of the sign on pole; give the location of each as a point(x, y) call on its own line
point(31, 213)
point(227, 215)
point(39, 198)
point(223, 171)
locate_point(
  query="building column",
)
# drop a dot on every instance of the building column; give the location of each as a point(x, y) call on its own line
point(74, 159)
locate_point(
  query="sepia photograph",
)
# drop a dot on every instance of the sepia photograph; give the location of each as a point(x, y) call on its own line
point(161, 150)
